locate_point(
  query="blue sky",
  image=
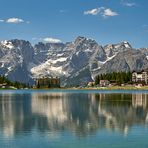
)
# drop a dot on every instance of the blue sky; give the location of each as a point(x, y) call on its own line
point(106, 21)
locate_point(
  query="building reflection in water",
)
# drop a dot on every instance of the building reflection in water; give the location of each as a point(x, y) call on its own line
point(50, 106)
point(12, 113)
point(140, 100)
point(7, 115)
point(81, 114)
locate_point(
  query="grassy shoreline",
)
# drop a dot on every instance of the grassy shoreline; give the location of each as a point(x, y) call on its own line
point(110, 88)
point(89, 88)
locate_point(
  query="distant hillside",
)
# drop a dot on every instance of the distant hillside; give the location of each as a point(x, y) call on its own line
point(75, 62)
point(6, 83)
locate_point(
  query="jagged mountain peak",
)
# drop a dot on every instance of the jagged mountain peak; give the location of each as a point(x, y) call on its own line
point(126, 44)
point(19, 42)
point(75, 62)
point(118, 46)
point(81, 40)
point(6, 44)
point(113, 49)
point(49, 44)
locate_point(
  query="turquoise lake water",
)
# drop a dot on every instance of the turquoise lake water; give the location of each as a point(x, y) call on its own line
point(73, 119)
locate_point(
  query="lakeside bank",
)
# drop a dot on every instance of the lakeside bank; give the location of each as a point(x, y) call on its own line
point(86, 88)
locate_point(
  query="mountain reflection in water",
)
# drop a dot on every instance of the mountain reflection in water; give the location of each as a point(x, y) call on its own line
point(81, 114)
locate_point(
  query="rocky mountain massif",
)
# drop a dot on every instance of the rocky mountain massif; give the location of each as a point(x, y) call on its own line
point(75, 62)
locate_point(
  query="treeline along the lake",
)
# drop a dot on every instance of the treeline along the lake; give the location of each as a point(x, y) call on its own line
point(4, 80)
point(117, 77)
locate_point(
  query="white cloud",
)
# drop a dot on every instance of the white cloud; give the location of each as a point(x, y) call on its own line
point(144, 26)
point(94, 11)
point(128, 4)
point(104, 12)
point(109, 12)
point(2, 20)
point(51, 40)
point(14, 20)
point(63, 11)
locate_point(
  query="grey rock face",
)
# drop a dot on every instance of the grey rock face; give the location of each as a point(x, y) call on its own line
point(113, 49)
point(44, 52)
point(15, 57)
point(130, 60)
point(75, 62)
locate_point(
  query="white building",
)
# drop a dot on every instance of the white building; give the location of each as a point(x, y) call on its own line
point(104, 83)
point(140, 77)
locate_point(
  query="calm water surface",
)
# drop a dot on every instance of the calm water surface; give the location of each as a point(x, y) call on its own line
point(70, 119)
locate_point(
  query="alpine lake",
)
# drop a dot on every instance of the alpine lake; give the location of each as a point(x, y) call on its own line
point(73, 119)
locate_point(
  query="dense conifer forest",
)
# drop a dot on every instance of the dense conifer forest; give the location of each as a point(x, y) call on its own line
point(4, 80)
point(117, 77)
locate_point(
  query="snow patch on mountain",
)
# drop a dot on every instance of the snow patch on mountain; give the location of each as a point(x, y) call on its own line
point(75, 62)
point(61, 59)
point(7, 44)
point(2, 65)
point(47, 69)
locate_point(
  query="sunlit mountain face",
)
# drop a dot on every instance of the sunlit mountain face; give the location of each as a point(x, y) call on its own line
point(74, 62)
point(81, 114)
